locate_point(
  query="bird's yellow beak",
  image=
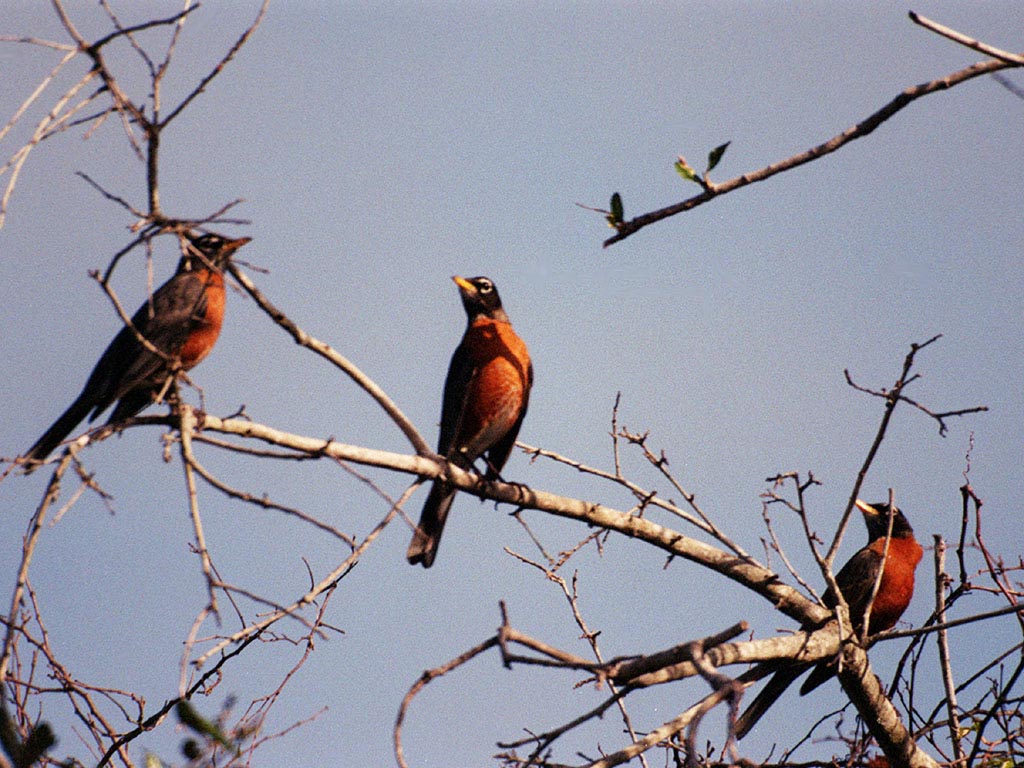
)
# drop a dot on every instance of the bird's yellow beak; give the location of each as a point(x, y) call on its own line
point(866, 508)
point(464, 284)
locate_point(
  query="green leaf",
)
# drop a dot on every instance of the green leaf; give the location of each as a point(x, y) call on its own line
point(715, 155)
point(617, 210)
point(683, 169)
point(192, 719)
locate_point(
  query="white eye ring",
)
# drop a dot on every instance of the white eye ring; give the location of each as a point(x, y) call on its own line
point(486, 286)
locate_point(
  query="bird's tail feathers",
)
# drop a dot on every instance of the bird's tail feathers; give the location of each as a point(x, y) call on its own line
point(820, 674)
point(423, 548)
point(56, 434)
point(767, 696)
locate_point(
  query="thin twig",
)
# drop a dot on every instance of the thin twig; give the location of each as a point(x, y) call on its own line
point(942, 641)
point(187, 426)
point(319, 588)
point(969, 42)
point(424, 680)
point(861, 129)
point(645, 497)
point(28, 549)
point(265, 503)
point(303, 339)
point(866, 618)
point(892, 398)
point(201, 87)
point(800, 508)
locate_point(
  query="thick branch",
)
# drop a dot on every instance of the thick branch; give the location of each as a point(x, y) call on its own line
point(880, 716)
point(745, 571)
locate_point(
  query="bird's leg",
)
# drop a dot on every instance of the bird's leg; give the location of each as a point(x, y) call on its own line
point(491, 471)
point(492, 475)
point(168, 390)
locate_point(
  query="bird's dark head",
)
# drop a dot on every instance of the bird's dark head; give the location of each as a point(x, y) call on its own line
point(876, 516)
point(210, 250)
point(480, 298)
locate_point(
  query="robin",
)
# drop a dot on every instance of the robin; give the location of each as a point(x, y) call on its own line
point(182, 320)
point(856, 580)
point(485, 398)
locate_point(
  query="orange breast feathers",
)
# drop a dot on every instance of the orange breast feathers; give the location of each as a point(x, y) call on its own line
point(498, 391)
point(897, 585)
point(204, 335)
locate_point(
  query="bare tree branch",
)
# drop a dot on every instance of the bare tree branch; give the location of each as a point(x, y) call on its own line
point(861, 129)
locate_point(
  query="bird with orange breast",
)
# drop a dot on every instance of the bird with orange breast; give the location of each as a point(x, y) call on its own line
point(856, 580)
point(181, 322)
point(485, 398)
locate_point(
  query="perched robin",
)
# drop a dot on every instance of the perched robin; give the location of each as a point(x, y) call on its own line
point(485, 398)
point(856, 581)
point(182, 320)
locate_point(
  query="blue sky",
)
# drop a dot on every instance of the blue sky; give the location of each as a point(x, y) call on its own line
point(382, 148)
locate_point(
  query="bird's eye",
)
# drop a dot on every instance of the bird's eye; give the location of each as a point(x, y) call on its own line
point(485, 286)
point(208, 243)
